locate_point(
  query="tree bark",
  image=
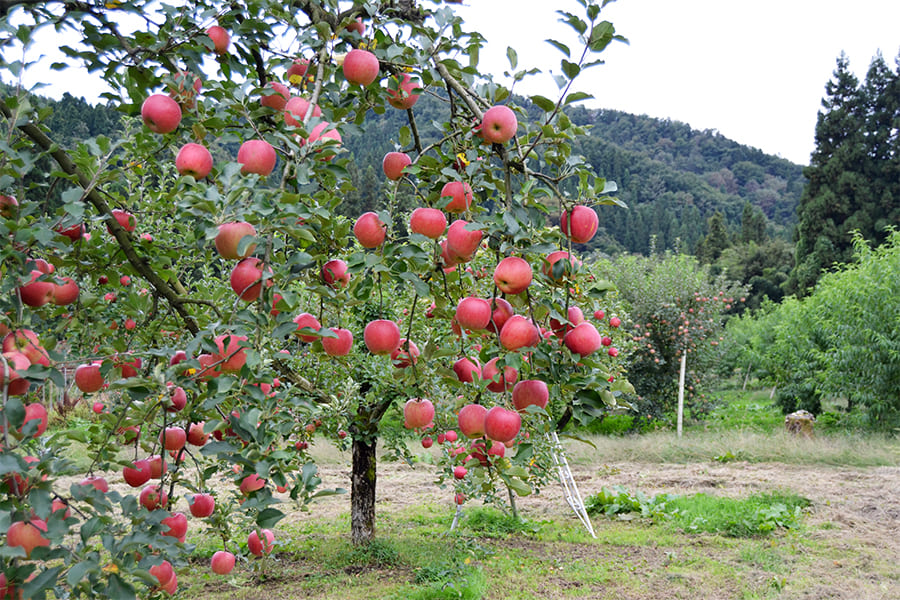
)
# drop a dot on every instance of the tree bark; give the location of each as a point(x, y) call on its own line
point(362, 492)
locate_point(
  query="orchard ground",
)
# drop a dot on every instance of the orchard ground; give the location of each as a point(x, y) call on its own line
point(845, 547)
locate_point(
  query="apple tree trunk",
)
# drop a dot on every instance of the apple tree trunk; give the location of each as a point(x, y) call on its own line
point(362, 492)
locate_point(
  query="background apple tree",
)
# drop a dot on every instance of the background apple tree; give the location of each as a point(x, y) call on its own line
point(193, 281)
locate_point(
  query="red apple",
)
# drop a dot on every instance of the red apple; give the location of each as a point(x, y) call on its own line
point(429, 222)
point(370, 230)
point(138, 474)
point(400, 91)
point(405, 354)
point(519, 332)
point(173, 438)
point(306, 320)
point(177, 399)
point(393, 165)
point(73, 232)
point(460, 194)
point(8, 207)
point(27, 342)
point(163, 572)
point(65, 293)
point(334, 273)
point(462, 243)
point(196, 436)
point(575, 316)
point(502, 425)
point(599, 314)
point(512, 275)
point(220, 38)
point(417, 413)
point(583, 339)
point(160, 113)
point(615, 322)
point(27, 535)
point(324, 133)
point(157, 466)
point(473, 313)
point(471, 420)
point(98, 483)
point(177, 524)
point(499, 383)
point(194, 160)
point(36, 411)
point(583, 226)
point(153, 496)
point(246, 278)
point(252, 483)
point(184, 88)
point(499, 124)
point(467, 369)
point(36, 293)
point(202, 505)
point(460, 472)
point(232, 353)
point(229, 237)
point(381, 336)
point(503, 310)
point(297, 71)
point(530, 392)
point(17, 363)
point(339, 346)
point(260, 542)
point(357, 26)
point(276, 95)
point(564, 269)
point(88, 378)
point(295, 111)
point(257, 156)
point(222, 562)
point(360, 67)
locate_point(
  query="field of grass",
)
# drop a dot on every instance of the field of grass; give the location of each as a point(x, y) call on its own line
point(742, 511)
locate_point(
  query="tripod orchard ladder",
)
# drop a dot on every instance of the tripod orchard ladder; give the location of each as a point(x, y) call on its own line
point(573, 497)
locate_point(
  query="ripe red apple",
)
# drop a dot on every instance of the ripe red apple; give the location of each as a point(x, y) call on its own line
point(246, 278)
point(260, 542)
point(220, 38)
point(97, 482)
point(427, 442)
point(138, 474)
point(615, 322)
point(257, 156)
point(177, 524)
point(460, 472)
point(153, 496)
point(202, 505)
point(583, 339)
point(417, 413)
point(88, 378)
point(36, 293)
point(393, 165)
point(125, 219)
point(370, 230)
point(429, 222)
point(334, 273)
point(599, 314)
point(499, 124)
point(606, 340)
point(400, 91)
point(297, 71)
point(512, 275)
point(614, 352)
point(233, 353)
point(404, 355)
point(339, 346)
point(575, 316)
point(65, 293)
point(160, 113)
point(177, 399)
point(295, 111)
point(73, 232)
point(581, 225)
point(381, 336)
point(173, 438)
point(163, 572)
point(460, 194)
point(27, 535)
point(530, 392)
point(357, 26)
point(324, 133)
point(194, 160)
point(360, 67)
point(17, 363)
point(276, 95)
point(27, 342)
point(467, 369)
point(222, 562)
point(157, 466)
point(251, 483)
point(473, 313)
point(183, 88)
point(8, 207)
point(502, 425)
point(564, 269)
point(503, 310)
point(471, 420)
point(229, 237)
point(36, 411)
point(304, 320)
point(462, 243)
point(196, 436)
point(499, 383)
point(519, 332)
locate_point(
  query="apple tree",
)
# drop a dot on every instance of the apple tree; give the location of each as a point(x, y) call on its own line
point(191, 280)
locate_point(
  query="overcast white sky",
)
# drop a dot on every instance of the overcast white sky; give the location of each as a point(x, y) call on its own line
point(754, 71)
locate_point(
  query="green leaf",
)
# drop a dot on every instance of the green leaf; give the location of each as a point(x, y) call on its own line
point(422, 288)
point(601, 35)
point(269, 517)
point(578, 97)
point(545, 104)
point(517, 485)
point(512, 56)
point(570, 69)
point(560, 46)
